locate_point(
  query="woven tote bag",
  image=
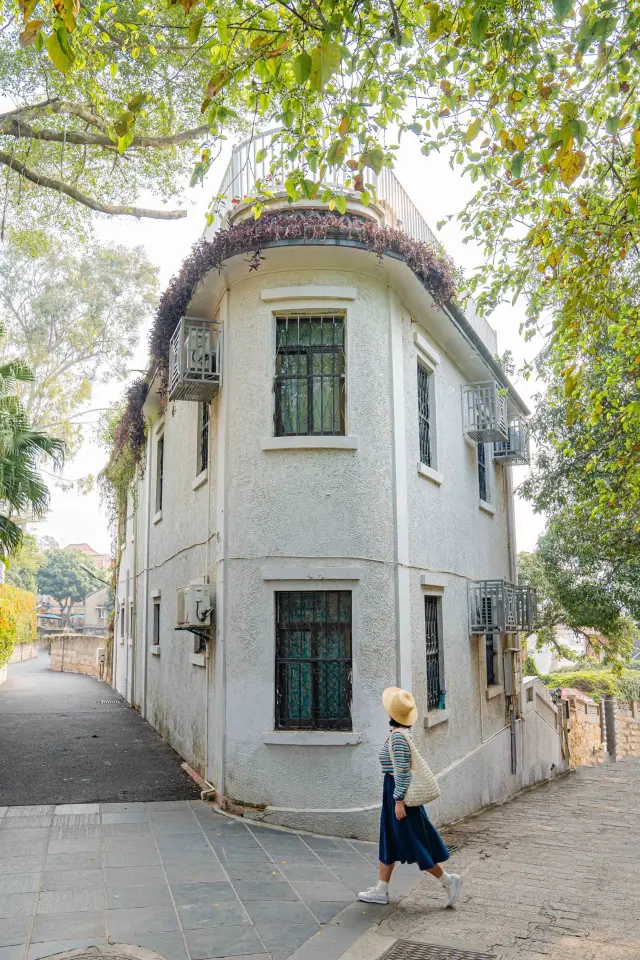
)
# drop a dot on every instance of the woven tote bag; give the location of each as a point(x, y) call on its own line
point(424, 786)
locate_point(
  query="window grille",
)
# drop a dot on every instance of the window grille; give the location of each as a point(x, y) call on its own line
point(491, 660)
point(310, 376)
point(484, 412)
point(195, 368)
point(155, 640)
point(434, 652)
point(313, 660)
point(483, 477)
point(203, 436)
point(516, 449)
point(159, 473)
point(424, 419)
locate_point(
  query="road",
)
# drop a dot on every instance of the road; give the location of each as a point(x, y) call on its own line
point(60, 744)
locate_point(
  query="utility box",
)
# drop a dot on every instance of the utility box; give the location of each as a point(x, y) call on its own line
point(194, 606)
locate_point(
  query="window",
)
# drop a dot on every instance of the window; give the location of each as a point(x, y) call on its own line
point(100, 613)
point(310, 376)
point(203, 437)
point(492, 672)
point(155, 640)
point(424, 417)
point(313, 660)
point(122, 616)
point(434, 651)
point(159, 473)
point(483, 474)
point(130, 618)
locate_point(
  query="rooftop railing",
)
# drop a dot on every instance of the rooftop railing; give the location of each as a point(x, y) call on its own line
point(252, 163)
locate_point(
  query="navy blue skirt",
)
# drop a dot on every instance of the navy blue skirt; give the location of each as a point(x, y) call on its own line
point(412, 840)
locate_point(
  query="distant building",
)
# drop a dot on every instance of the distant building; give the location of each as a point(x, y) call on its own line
point(95, 612)
point(101, 560)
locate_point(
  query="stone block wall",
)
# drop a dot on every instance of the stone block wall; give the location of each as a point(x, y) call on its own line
point(628, 729)
point(77, 653)
point(586, 733)
point(24, 651)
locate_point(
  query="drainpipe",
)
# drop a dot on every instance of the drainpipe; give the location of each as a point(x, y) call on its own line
point(221, 586)
point(146, 490)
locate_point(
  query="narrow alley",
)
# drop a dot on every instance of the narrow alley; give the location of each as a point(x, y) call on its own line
point(68, 738)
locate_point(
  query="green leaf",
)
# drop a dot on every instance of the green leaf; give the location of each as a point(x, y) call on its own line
point(562, 9)
point(373, 159)
point(194, 28)
point(479, 26)
point(261, 154)
point(59, 51)
point(137, 103)
point(325, 61)
point(223, 32)
point(290, 187)
point(341, 203)
point(516, 164)
point(302, 68)
point(612, 125)
point(473, 130)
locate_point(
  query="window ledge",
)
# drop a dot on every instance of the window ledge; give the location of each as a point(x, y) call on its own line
point(487, 507)
point(198, 659)
point(429, 473)
point(155, 651)
point(123, 545)
point(436, 717)
point(310, 443)
point(494, 691)
point(158, 517)
point(311, 738)
point(200, 479)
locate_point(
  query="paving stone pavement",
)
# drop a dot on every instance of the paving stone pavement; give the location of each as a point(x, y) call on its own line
point(555, 872)
point(180, 879)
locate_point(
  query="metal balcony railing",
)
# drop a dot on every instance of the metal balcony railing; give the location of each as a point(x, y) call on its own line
point(245, 172)
point(195, 369)
point(484, 412)
point(497, 606)
point(515, 449)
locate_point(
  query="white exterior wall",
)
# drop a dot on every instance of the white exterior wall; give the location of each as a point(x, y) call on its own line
point(360, 519)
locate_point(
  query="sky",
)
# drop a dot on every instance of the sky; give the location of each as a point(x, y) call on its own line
point(436, 190)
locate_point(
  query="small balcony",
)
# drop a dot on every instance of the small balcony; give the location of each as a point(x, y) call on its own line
point(497, 606)
point(195, 369)
point(484, 412)
point(516, 449)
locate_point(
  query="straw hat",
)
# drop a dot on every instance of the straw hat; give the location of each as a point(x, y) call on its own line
point(400, 706)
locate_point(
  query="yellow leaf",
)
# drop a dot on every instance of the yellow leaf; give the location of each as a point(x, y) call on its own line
point(30, 33)
point(571, 163)
point(343, 126)
point(473, 130)
point(636, 154)
point(519, 141)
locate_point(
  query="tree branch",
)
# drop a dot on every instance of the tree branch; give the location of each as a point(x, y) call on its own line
point(23, 130)
point(116, 210)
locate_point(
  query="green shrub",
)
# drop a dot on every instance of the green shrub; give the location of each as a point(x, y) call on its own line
point(597, 683)
point(17, 619)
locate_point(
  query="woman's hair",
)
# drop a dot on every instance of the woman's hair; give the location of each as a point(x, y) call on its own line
point(394, 723)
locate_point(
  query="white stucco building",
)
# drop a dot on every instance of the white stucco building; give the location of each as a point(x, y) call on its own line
point(327, 484)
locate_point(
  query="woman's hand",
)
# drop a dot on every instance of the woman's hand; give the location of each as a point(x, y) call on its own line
point(401, 810)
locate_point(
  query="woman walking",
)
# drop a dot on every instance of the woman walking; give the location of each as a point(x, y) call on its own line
point(406, 833)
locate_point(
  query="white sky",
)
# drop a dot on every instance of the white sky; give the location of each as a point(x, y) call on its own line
point(435, 189)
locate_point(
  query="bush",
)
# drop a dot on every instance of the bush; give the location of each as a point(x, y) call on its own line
point(18, 619)
point(597, 683)
point(530, 668)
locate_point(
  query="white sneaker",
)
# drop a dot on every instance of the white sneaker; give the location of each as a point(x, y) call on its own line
point(454, 890)
point(373, 896)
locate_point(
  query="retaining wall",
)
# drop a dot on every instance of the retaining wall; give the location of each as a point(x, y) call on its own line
point(77, 653)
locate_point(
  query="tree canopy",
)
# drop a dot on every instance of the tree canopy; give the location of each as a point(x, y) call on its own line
point(73, 311)
point(24, 566)
point(67, 578)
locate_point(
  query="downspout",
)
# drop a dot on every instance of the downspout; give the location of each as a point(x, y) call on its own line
point(146, 489)
point(222, 531)
point(206, 570)
point(134, 606)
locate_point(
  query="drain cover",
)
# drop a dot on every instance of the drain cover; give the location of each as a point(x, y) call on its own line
point(408, 950)
point(111, 701)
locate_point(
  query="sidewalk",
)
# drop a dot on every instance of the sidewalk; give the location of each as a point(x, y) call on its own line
point(556, 872)
point(180, 879)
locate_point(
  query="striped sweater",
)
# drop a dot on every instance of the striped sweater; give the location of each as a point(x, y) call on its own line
point(400, 768)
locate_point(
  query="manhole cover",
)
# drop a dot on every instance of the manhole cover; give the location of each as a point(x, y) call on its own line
point(111, 701)
point(408, 950)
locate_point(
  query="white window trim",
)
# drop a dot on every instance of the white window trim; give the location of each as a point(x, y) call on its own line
point(429, 357)
point(157, 517)
point(308, 292)
point(433, 582)
point(155, 650)
point(156, 594)
point(487, 507)
point(494, 690)
point(430, 474)
point(310, 443)
point(435, 717)
point(201, 479)
point(312, 738)
point(198, 659)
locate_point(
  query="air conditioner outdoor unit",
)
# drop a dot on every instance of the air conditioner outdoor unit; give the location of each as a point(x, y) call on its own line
point(194, 606)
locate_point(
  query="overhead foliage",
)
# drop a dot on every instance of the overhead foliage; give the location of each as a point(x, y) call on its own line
point(66, 576)
point(22, 569)
point(73, 312)
point(23, 493)
point(572, 594)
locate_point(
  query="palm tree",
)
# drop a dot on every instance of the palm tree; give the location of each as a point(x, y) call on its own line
point(22, 490)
